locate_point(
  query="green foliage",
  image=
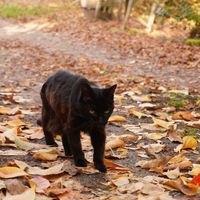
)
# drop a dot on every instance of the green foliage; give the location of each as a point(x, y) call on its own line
point(178, 100)
point(134, 31)
point(183, 9)
point(193, 42)
point(15, 11)
point(195, 132)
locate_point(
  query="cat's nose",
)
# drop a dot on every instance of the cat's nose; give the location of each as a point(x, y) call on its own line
point(101, 120)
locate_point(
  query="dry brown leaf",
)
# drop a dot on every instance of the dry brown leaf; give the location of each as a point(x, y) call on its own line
point(29, 194)
point(41, 184)
point(16, 123)
point(12, 152)
point(9, 111)
point(162, 123)
point(155, 148)
point(129, 138)
point(28, 145)
point(182, 186)
point(72, 195)
point(183, 115)
point(153, 164)
point(115, 143)
point(195, 124)
point(15, 186)
point(156, 136)
point(195, 170)
point(133, 111)
point(117, 118)
point(172, 174)
point(11, 172)
point(180, 162)
point(46, 154)
point(111, 165)
point(57, 169)
point(152, 189)
point(121, 181)
point(174, 136)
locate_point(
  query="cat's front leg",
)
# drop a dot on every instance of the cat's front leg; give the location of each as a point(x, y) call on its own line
point(76, 148)
point(98, 138)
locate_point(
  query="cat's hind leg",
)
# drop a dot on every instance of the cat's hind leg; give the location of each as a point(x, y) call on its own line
point(46, 117)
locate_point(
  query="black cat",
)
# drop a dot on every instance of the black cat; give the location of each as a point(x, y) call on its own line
point(72, 104)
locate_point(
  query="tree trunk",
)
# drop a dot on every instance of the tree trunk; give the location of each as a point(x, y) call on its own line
point(129, 4)
point(151, 17)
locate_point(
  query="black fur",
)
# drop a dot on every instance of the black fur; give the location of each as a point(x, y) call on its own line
point(72, 104)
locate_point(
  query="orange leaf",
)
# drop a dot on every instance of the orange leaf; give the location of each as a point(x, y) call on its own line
point(196, 180)
point(117, 118)
point(188, 189)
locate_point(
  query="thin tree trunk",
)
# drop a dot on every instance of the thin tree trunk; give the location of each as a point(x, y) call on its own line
point(152, 17)
point(119, 10)
point(130, 4)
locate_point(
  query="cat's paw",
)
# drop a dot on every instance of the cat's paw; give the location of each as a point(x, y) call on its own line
point(81, 162)
point(101, 167)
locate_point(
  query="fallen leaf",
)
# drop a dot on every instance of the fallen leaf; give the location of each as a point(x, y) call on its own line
point(153, 164)
point(150, 106)
point(111, 165)
point(46, 154)
point(138, 114)
point(57, 169)
point(189, 142)
point(41, 184)
point(162, 123)
point(15, 186)
point(156, 136)
point(129, 138)
point(28, 145)
point(182, 186)
point(172, 174)
point(29, 194)
point(185, 116)
point(11, 172)
point(12, 153)
point(117, 118)
point(9, 111)
point(115, 143)
point(124, 180)
point(196, 180)
point(16, 123)
point(174, 136)
point(195, 170)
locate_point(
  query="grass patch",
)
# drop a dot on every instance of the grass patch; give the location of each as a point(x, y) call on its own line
point(193, 42)
point(178, 100)
point(15, 11)
point(134, 31)
point(195, 132)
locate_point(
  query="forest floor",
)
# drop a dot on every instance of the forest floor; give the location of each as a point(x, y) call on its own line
point(157, 100)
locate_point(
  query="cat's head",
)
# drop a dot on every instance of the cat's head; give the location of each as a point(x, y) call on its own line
point(96, 104)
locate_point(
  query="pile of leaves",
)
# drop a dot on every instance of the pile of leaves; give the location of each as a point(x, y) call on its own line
point(158, 139)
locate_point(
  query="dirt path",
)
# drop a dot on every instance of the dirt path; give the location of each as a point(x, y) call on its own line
point(31, 34)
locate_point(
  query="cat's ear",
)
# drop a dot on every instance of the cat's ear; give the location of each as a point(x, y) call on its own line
point(86, 93)
point(110, 91)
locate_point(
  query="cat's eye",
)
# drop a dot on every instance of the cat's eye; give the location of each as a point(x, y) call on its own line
point(92, 112)
point(107, 111)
